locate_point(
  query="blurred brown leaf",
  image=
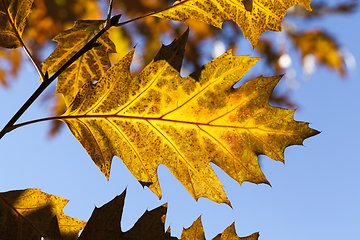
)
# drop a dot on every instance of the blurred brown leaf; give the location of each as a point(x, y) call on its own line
point(10, 60)
point(323, 46)
point(49, 18)
point(322, 8)
point(266, 48)
point(282, 100)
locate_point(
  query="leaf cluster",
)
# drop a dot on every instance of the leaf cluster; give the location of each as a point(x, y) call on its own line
point(48, 18)
point(155, 116)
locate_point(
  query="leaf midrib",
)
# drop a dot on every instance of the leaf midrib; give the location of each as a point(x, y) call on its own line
point(106, 116)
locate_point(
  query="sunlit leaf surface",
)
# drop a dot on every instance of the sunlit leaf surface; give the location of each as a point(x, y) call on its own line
point(158, 117)
point(87, 68)
point(266, 15)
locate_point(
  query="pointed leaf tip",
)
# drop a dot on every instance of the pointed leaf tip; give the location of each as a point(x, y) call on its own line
point(115, 20)
point(196, 231)
point(104, 223)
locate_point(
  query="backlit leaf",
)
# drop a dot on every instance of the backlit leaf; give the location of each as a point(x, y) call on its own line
point(29, 214)
point(87, 68)
point(13, 17)
point(158, 117)
point(196, 232)
point(104, 223)
point(266, 15)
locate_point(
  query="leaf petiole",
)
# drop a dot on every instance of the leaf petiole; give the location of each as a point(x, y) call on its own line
point(36, 64)
point(149, 14)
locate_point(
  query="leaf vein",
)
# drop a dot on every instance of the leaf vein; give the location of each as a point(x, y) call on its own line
point(234, 157)
point(131, 145)
point(184, 159)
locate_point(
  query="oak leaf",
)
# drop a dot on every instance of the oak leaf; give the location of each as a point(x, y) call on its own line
point(31, 214)
point(89, 67)
point(196, 232)
point(158, 117)
point(266, 15)
point(104, 223)
point(13, 17)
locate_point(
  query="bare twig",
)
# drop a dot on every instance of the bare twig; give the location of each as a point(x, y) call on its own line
point(108, 19)
point(152, 13)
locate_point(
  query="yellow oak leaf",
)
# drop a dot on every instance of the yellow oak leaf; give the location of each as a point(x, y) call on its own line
point(266, 15)
point(323, 46)
point(159, 117)
point(31, 214)
point(89, 67)
point(196, 232)
point(13, 17)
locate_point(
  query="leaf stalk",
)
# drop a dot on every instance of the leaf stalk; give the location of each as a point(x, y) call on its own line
point(149, 14)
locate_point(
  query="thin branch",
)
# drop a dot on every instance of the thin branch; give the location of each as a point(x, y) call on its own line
point(37, 66)
point(152, 13)
point(108, 19)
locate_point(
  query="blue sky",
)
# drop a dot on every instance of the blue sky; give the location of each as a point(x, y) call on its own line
point(315, 195)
